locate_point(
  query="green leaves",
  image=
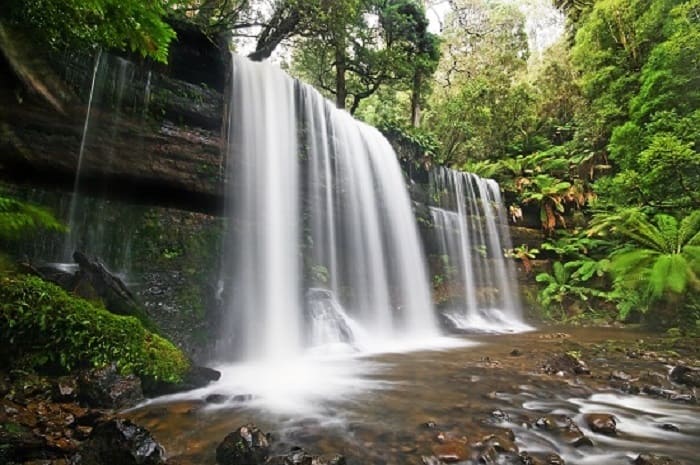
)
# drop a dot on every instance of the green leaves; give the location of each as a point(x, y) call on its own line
point(660, 260)
point(19, 218)
point(134, 25)
point(45, 328)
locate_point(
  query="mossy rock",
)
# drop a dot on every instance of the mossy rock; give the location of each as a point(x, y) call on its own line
point(44, 328)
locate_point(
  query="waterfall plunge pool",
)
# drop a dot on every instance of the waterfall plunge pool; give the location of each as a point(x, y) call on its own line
point(374, 408)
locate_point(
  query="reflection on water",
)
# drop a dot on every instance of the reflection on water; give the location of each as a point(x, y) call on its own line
point(374, 409)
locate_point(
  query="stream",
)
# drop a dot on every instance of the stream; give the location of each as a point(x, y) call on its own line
point(405, 407)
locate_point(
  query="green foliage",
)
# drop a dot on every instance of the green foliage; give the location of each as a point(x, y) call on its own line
point(350, 48)
point(18, 219)
point(659, 264)
point(42, 327)
point(133, 25)
point(560, 287)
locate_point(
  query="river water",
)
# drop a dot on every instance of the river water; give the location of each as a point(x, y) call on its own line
point(397, 408)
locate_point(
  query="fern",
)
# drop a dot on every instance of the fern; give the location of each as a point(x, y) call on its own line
point(661, 259)
point(19, 218)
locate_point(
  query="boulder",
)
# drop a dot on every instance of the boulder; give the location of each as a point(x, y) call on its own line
point(106, 388)
point(120, 442)
point(248, 445)
point(563, 427)
point(681, 374)
point(603, 423)
point(195, 378)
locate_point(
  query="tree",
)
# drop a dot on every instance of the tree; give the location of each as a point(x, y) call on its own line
point(481, 107)
point(642, 77)
point(133, 25)
point(353, 47)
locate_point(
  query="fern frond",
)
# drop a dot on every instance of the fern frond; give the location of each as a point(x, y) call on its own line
point(689, 229)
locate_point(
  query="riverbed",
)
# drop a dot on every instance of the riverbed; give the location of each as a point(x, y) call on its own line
point(469, 400)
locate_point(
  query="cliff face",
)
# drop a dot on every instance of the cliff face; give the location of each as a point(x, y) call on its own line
point(150, 133)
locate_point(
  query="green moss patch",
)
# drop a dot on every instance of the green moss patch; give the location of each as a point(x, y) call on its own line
point(44, 328)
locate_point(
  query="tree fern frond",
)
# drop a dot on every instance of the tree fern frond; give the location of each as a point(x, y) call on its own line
point(669, 273)
point(668, 229)
point(689, 229)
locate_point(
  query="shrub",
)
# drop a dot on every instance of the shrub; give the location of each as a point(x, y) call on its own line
point(44, 328)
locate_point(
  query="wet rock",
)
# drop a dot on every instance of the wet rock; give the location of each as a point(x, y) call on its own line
point(430, 424)
point(499, 415)
point(298, 456)
point(66, 388)
point(451, 451)
point(488, 456)
point(554, 459)
point(94, 280)
point(19, 444)
point(106, 388)
point(515, 353)
point(567, 363)
point(603, 423)
point(669, 427)
point(431, 460)
point(652, 459)
point(657, 391)
point(681, 374)
point(120, 442)
point(197, 377)
point(564, 428)
point(245, 446)
point(216, 399)
point(620, 376)
point(30, 386)
point(527, 458)
point(242, 398)
point(502, 442)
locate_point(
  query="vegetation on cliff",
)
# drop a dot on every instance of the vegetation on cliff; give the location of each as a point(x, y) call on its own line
point(44, 328)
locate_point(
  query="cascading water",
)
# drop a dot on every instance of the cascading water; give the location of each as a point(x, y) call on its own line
point(316, 199)
point(471, 230)
point(115, 90)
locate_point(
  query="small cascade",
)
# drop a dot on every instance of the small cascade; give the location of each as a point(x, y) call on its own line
point(471, 230)
point(330, 324)
point(116, 92)
point(316, 199)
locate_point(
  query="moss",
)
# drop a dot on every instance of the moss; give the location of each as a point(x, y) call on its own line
point(44, 328)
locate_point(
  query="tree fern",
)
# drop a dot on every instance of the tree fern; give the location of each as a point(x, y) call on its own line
point(660, 260)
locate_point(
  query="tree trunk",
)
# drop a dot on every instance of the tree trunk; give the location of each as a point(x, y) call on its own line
point(340, 90)
point(415, 99)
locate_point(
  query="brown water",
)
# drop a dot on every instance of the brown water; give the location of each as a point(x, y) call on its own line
point(378, 415)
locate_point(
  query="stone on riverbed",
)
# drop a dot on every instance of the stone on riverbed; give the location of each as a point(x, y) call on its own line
point(298, 456)
point(120, 442)
point(566, 363)
point(652, 459)
point(603, 423)
point(681, 374)
point(245, 446)
point(106, 388)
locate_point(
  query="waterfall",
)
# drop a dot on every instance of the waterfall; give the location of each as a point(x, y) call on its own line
point(117, 93)
point(316, 200)
point(471, 230)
